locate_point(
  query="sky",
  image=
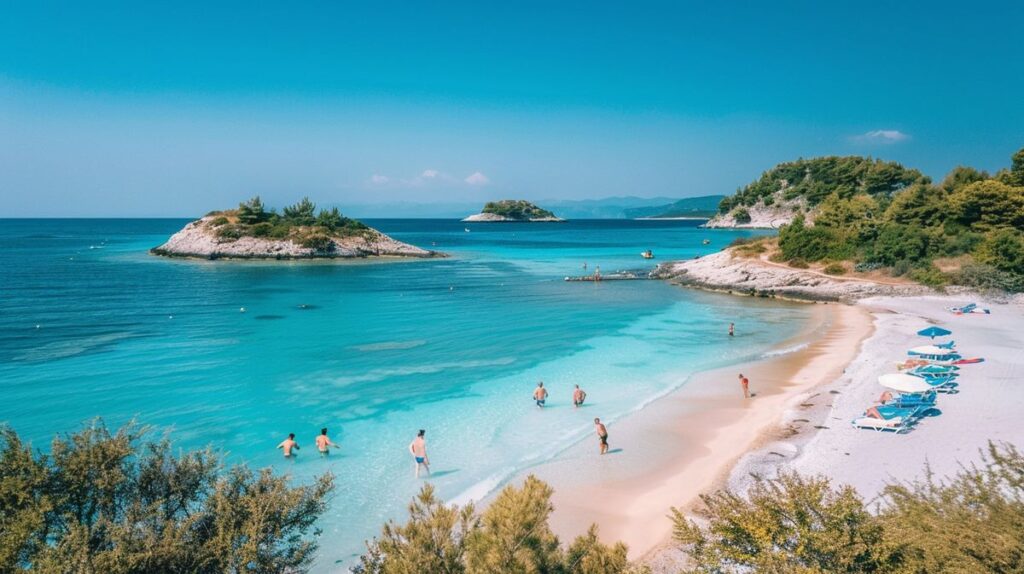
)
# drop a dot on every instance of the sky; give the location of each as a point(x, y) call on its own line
point(168, 109)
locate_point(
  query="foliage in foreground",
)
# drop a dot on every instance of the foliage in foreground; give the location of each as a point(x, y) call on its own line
point(971, 523)
point(114, 503)
point(511, 536)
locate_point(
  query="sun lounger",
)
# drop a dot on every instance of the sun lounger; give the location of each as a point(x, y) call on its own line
point(913, 400)
point(895, 419)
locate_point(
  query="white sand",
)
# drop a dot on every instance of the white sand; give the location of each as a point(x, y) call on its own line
point(988, 406)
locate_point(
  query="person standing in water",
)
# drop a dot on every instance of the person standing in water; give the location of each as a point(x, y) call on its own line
point(578, 396)
point(324, 444)
point(602, 435)
point(418, 449)
point(540, 394)
point(288, 444)
point(745, 383)
point(732, 329)
point(597, 273)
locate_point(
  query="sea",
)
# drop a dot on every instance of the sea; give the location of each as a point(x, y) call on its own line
point(236, 355)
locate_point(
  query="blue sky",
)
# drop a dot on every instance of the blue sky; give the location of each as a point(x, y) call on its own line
point(176, 108)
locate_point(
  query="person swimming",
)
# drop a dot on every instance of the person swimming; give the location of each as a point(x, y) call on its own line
point(578, 396)
point(540, 394)
point(602, 435)
point(288, 445)
point(418, 449)
point(324, 444)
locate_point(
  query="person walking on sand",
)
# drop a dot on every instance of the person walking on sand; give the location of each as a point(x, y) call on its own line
point(578, 396)
point(288, 444)
point(324, 444)
point(540, 394)
point(732, 329)
point(745, 383)
point(602, 435)
point(418, 449)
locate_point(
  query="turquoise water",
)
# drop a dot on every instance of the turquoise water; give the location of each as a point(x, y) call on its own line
point(91, 325)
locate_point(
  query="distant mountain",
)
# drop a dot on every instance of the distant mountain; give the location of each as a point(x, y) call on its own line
point(607, 208)
point(703, 206)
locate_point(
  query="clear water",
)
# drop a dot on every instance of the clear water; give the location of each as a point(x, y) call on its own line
point(91, 325)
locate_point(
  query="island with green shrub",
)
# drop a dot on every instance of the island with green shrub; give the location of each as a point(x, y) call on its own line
point(853, 224)
point(298, 232)
point(512, 210)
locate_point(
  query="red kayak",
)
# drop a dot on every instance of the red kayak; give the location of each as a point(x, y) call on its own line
point(968, 361)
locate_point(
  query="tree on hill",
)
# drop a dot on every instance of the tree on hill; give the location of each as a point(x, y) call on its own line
point(251, 212)
point(302, 213)
point(968, 214)
point(114, 503)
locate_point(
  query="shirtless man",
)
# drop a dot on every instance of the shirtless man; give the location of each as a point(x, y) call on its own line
point(418, 450)
point(732, 329)
point(288, 444)
point(540, 394)
point(745, 383)
point(602, 435)
point(323, 444)
point(578, 396)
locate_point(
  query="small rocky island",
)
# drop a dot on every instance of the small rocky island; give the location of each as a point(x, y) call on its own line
point(299, 232)
point(512, 211)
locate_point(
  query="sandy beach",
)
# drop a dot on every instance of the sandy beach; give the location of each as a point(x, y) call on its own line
point(705, 436)
point(986, 408)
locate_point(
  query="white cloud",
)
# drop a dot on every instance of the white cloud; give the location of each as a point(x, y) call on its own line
point(430, 174)
point(882, 137)
point(378, 179)
point(477, 178)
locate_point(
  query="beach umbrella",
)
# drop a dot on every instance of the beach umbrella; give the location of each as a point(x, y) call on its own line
point(904, 383)
point(930, 350)
point(934, 332)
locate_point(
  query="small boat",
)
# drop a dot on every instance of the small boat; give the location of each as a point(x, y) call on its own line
point(467, 230)
point(706, 242)
point(647, 254)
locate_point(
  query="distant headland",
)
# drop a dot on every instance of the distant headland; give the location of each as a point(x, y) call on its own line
point(299, 232)
point(512, 210)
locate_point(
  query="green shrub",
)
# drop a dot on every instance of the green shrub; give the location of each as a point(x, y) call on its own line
point(741, 215)
point(835, 269)
point(261, 229)
point(280, 231)
point(798, 263)
point(218, 221)
point(317, 242)
point(232, 232)
point(1004, 250)
point(981, 276)
point(930, 276)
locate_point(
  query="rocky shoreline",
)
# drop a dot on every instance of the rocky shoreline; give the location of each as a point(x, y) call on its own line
point(198, 241)
point(726, 273)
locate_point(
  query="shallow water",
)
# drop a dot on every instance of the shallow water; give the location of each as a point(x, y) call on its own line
point(91, 325)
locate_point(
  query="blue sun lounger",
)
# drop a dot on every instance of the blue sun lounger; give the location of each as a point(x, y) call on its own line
point(895, 419)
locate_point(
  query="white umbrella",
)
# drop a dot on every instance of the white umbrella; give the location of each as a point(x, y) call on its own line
point(904, 383)
point(930, 350)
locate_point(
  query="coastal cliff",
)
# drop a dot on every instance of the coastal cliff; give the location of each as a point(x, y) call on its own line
point(252, 233)
point(726, 272)
point(512, 211)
